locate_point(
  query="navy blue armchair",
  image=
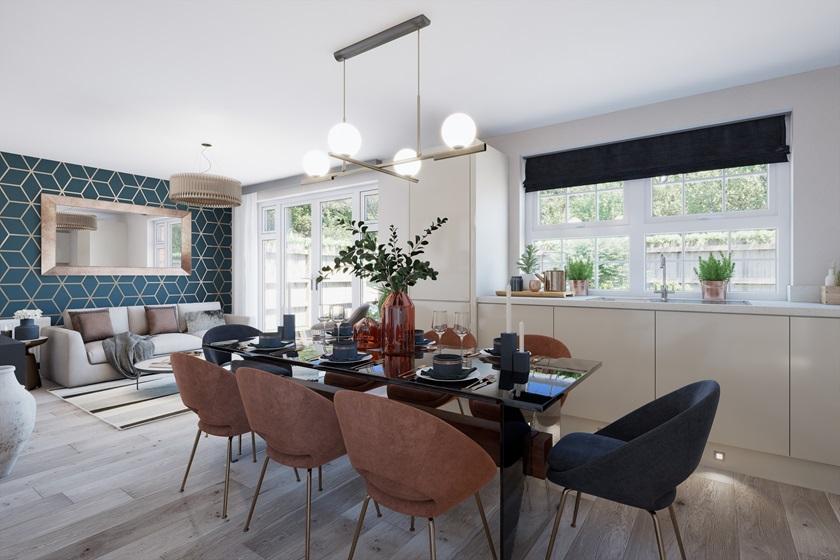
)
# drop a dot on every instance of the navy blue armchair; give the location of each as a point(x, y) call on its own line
point(225, 332)
point(640, 459)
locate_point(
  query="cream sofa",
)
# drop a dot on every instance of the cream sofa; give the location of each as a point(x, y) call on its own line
point(68, 361)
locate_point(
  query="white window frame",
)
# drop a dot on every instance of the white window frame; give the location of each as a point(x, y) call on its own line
point(639, 222)
point(355, 192)
point(166, 243)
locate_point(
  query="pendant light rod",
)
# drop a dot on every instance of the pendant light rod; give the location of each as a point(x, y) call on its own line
point(418, 93)
point(383, 37)
point(372, 167)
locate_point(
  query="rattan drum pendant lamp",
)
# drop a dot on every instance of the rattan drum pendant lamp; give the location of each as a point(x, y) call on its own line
point(205, 189)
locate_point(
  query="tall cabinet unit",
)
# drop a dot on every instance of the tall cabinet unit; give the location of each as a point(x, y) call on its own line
point(470, 251)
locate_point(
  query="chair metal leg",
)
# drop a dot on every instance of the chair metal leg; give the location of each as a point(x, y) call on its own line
point(677, 530)
point(227, 477)
point(412, 524)
point(256, 493)
point(254, 446)
point(192, 456)
point(460, 406)
point(486, 526)
point(308, 511)
point(432, 548)
point(240, 444)
point(297, 474)
point(378, 511)
point(659, 544)
point(320, 477)
point(577, 506)
point(359, 525)
point(556, 524)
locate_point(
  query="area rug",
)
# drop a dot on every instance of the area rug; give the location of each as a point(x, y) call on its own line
point(122, 405)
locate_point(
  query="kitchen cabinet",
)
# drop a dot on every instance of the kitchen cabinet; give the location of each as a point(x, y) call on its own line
point(539, 319)
point(815, 389)
point(748, 356)
point(623, 340)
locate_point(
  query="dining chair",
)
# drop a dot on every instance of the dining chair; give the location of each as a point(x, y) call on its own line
point(299, 427)
point(225, 332)
point(640, 459)
point(211, 392)
point(411, 462)
point(537, 345)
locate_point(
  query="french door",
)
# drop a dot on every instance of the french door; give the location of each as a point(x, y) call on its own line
point(300, 235)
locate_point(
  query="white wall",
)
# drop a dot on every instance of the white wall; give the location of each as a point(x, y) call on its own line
point(812, 98)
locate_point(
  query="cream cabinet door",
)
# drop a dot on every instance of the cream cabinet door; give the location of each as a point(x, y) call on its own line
point(623, 340)
point(423, 310)
point(748, 356)
point(815, 389)
point(443, 191)
point(538, 319)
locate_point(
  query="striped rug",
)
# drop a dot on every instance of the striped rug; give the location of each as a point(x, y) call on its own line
point(120, 404)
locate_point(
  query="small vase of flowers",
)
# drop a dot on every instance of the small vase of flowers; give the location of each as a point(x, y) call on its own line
point(714, 275)
point(579, 272)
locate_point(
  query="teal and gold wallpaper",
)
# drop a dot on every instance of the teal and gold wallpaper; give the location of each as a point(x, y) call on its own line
point(24, 178)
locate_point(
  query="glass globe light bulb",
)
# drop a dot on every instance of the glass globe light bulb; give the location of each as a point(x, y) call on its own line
point(316, 163)
point(344, 139)
point(458, 130)
point(409, 169)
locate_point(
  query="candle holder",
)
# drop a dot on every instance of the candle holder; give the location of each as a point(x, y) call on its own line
point(288, 327)
point(507, 348)
point(521, 367)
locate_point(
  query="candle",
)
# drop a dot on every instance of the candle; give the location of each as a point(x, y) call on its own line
point(508, 318)
point(521, 336)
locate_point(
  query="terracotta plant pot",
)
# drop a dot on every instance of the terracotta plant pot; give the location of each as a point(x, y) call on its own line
point(713, 290)
point(398, 324)
point(580, 287)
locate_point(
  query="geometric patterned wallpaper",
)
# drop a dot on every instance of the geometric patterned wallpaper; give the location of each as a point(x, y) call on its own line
point(24, 178)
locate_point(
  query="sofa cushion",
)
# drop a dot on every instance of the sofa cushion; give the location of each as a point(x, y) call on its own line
point(119, 317)
point(94, 326)
point(175, 342)
point(95, 352)
point(184, 308)
point(201, 321)
point(162, 319)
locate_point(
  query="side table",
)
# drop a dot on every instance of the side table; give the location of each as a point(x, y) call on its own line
point(33, 378)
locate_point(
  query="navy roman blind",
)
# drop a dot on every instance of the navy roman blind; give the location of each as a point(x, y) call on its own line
point(750, 142)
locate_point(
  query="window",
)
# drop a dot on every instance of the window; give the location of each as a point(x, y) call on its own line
point(625, 227)
point(299, 236)
point(165, 246)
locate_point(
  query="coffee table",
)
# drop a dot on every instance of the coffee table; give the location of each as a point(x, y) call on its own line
point(158, 364)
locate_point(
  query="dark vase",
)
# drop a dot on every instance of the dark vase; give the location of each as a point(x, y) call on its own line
point(366, 334)
point(27, 330)
point(398, 324)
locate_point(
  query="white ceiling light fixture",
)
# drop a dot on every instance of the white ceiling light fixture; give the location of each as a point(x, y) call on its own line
point(458, 130)
point(205, 189)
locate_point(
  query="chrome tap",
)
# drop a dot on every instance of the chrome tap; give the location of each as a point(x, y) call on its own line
point(664, 290)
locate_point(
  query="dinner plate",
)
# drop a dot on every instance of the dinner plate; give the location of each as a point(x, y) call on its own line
point(362, 359)
point(490, 352)
point(425, 374)
point(426, 342)
point(270, 348)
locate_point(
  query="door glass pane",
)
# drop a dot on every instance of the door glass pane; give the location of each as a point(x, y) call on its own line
point(175, 244)
point(298, 235)
point(335, 236)
point(270, 283)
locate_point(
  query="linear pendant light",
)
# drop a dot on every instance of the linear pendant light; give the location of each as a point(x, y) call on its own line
point(458, 130)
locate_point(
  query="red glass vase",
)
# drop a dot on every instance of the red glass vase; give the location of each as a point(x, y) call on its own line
point(398, 324)
point(366, 334)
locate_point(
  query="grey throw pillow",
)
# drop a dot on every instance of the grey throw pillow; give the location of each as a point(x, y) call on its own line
point(198, 321)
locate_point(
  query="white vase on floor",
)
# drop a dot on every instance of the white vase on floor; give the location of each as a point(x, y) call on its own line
point(17, 419)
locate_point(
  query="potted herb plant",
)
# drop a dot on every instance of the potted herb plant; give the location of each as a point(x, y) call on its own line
point(394, 268)
point(714, 275)
point(528, 263)
point(579, 271)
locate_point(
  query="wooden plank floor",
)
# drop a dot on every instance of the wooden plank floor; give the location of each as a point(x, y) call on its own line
point(86, 490)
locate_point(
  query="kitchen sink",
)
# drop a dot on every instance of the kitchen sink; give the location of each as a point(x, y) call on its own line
point(674, 300)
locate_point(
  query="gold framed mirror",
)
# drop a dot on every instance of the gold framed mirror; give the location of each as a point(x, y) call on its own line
point(81, 236)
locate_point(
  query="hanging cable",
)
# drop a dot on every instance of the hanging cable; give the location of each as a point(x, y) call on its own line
point(204, 147)
point(418, 93)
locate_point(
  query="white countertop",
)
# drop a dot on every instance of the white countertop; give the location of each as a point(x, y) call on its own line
point(757, 307)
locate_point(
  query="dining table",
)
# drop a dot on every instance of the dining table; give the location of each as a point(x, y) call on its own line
point(547, 383)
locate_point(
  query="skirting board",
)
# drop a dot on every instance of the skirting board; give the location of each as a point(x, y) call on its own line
point(778, 468)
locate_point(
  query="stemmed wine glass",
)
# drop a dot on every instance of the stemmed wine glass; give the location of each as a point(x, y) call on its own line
point(337, 314)
point(462, 327)
point(324, 321)
point(440, 320)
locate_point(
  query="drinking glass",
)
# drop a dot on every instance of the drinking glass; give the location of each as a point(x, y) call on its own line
point(324, 320)
point(337, 314)
point(461, 327)
point(440, 322)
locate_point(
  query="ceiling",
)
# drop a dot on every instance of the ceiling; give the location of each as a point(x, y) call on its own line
point(137, 86)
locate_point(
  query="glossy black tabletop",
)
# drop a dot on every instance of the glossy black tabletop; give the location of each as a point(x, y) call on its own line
point(547, 382)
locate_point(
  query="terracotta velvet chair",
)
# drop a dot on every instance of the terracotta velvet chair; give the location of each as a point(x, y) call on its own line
point(412, 462)
point(211, 392)
point(299, 427)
